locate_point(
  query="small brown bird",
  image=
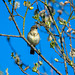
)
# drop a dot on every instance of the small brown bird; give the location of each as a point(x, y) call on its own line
point(33, 37)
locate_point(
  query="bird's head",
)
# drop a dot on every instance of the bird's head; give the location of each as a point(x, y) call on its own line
point(34, 27)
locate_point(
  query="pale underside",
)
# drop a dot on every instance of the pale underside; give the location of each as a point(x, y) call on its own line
point(34, 37)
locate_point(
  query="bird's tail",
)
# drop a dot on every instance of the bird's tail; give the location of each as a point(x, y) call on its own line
point(32, 51)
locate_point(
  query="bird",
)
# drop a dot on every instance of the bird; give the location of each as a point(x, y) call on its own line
point(33, 37)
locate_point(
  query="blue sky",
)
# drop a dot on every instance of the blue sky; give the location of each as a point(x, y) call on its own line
point(21, 47)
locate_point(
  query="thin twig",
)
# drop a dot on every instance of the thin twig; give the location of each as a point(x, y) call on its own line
point(23, 70)
point(9, 35)
point(24, 21)
point(63, 55)
point(33, 2)
point(13, 6)
point(12, 17)
point(65, 44)
point(18, 14)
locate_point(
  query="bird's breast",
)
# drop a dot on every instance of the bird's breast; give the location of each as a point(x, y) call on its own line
point(33, 38)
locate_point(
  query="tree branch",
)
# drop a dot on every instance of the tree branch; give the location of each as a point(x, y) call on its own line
point(9, 35)
point(41, 56)
point(12, 17)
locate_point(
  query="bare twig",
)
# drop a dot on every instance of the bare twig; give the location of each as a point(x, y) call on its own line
point(12, 17)
point(24, 21)
point(13, 6)
point(9, 35)
point(33, 2)
point(23, 71)
point(18, 14)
